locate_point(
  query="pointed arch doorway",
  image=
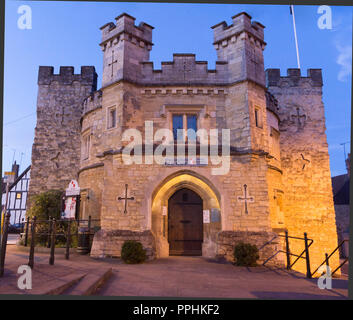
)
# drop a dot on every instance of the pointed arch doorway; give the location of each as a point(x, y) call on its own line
point(185, 223)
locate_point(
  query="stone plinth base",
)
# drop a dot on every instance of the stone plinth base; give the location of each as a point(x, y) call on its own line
point(109, 243)
point(267, 242)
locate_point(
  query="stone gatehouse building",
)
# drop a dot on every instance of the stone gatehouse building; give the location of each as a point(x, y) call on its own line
point(278, 177)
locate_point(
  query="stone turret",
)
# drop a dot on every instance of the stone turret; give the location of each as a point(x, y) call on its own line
point(56, 147)
point(305, 160)
point(241, 45)
point(124, 46)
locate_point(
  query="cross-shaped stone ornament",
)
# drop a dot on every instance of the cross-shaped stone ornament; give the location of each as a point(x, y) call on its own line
point(298, 117)
point(246, 199)
point(112, 63)
point(186, 69)
point(126, 198)
point(304, 161)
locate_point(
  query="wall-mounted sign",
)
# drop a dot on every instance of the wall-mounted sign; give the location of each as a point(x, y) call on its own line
point(9, 177)
point(73, 189)
point(164, 211)
point(206, 216)
point(69, 208)
point(215, 215)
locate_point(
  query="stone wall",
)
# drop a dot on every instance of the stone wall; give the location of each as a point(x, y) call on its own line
point(109, 243)
point(267, 243)
point(56, 147)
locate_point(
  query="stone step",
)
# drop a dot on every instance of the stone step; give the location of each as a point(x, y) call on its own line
point(90, 283)
point(59, 285)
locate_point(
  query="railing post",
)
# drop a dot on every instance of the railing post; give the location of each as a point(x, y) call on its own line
point(4, 244)
point(307, 258)
point(89, 229)
point(287, 250)
point(26, 235)
point(49, 232)
point(52, 242)
point(327, 262)
point(33, 236)
point(68, 241)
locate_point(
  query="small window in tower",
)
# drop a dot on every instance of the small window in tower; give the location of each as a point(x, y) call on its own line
point(274, 143)
point(85, 146)
point(18, 195)
point(258, 120)
point(111, 118)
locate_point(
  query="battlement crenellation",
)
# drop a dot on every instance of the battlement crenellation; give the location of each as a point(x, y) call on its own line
point(92, 102)
point(242, 24)
point(294, 77)
point(66, 76)
point(125, 29)
point(184, 69)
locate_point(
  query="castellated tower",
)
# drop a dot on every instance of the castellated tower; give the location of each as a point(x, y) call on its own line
point(125, 46)
point(305, 161)
point(240, 46)
point(56, 147)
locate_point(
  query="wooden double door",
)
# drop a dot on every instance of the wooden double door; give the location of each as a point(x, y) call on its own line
point(185, 223)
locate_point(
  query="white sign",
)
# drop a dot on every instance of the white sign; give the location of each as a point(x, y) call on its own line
point(70, 208)
point(164, 211)
point(206, 216)
point(73, 189)
point(9, 177)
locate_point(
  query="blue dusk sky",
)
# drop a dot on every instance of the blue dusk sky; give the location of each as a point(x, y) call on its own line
point(67, 34)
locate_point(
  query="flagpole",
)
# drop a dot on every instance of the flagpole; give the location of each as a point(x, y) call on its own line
point(295, 35)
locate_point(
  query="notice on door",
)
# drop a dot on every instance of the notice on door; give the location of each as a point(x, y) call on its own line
point(206, 216)
point(164, 211)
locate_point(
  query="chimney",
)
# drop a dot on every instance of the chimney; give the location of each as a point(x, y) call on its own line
point(15, 168)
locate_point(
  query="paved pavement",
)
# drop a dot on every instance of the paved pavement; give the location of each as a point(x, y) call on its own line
point(199, 277)
point(12, 238)
point(174, 277)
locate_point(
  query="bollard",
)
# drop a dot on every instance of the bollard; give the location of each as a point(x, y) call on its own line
point(287, 251)
point(4, 243)
point(49, 231)
point(307, 259)
point(52, 243)
point(33, 235)
point(26, 235)
point(68, 241)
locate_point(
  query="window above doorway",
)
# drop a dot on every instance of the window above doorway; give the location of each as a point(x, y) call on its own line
point(184, 117)
point(185, 121)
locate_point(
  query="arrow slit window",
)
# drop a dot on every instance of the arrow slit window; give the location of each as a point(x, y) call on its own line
point(86, 139)
point(258, 118)
point(275, 143)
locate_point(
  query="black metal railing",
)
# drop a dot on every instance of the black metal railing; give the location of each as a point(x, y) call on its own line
point(328, 256)
point(307, 243)
point(4, 243)
point(47, 233)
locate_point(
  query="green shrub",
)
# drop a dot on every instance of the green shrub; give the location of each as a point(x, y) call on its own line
point(133, 252)
point(246, 254)
point(46, 204)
